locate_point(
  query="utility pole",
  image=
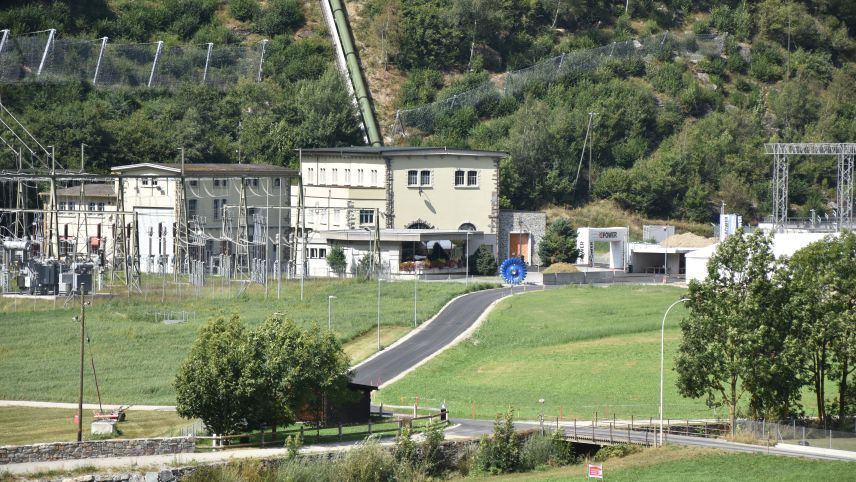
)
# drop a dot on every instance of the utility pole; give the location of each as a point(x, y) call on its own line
point(80, 393)
point(589, 133)
point(82, 145)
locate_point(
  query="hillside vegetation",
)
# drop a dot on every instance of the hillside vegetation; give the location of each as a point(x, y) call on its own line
point(675, 136)
point(299, 103)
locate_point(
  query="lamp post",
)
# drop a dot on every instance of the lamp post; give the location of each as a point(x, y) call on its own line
point(330, 311)
point(467, 256)
point(662, 356)
point(666, 255)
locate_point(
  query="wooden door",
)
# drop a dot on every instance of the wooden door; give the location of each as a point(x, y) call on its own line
point(518, 246)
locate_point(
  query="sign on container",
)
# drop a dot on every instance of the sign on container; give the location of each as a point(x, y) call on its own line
point(595, 471)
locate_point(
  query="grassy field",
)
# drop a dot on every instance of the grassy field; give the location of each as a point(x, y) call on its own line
point(136, 356)
point(25, 425)
point(684, 465)
point(583, 349)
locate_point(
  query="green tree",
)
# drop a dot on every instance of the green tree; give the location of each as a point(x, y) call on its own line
point(822, 299)
point(483, 262)
point(336, 260)
point(559, 244)
point(733, 342)
point(207, 385)
point(325, 114)
point(290, 369)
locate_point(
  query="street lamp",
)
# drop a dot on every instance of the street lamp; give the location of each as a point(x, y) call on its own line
point(662, 356)
point(467, 256)
point(330, 312)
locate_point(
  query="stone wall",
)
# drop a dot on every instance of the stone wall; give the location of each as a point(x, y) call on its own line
point(532, 222)
point(15, 454)
point(449, 455)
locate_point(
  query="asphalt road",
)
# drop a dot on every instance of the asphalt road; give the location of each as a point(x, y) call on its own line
point(453, 320)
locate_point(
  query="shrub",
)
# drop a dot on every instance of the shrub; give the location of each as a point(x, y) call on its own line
point(430, 448)
point(536, 452)
point(620, 450)
point(368, 462)
point(280, 16)
point(500, 453)
point(561, 268)
point(244, 9)
point(337, 261)
point(420, 88)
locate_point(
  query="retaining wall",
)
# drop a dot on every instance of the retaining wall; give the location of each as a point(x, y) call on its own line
point(15, 454)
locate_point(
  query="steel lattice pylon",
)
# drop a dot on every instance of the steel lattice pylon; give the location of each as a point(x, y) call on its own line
point(780, 189)
point(844, 190)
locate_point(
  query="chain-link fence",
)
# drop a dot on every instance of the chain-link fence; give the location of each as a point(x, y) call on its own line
point(554, 69)
point(41, 57)
point(794, 433)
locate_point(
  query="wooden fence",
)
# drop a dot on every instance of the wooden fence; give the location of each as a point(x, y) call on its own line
point(317, 434)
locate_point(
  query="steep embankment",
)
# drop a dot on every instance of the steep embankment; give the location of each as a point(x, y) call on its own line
point(676, 133)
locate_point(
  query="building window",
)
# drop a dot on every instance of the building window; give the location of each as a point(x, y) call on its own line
point(216, 183)
point(337, 216)
point(317, 253)
point(145, 181)
point(71, 205)
point(472, 178)
point(311, 175)
point(335, 177)
point(425, 178)
point(191, 207)
point(219, 183)
point(216, 207)
point(62, 206)
point(251, 181)
point(154, 182)
point(347, 176)
point(459, 178)
point(277, 182)
point(194, 183)
point(413, 178)
point(100, 206)
point(359, 177)
point(322, 176)
point(366, 216)
point(92, 206)
point(374, 177)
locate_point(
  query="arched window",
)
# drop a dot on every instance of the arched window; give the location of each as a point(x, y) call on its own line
point(467, 227)
point(419, 224)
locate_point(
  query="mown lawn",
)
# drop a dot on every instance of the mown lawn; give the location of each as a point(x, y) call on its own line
point(26, 425)
point(136, 356)
point(691, 464)
point(583, 349)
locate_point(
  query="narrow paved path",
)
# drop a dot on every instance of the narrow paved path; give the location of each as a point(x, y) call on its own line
point(429, 340)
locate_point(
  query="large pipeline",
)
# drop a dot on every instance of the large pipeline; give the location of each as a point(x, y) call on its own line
point(361, 90)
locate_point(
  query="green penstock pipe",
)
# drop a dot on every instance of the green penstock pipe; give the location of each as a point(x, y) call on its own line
point(361, 89)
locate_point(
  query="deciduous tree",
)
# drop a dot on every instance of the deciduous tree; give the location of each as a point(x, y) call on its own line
point(207, 385)
point(732, 341)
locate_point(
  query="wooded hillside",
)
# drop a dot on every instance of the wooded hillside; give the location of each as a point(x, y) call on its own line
point(675, 135)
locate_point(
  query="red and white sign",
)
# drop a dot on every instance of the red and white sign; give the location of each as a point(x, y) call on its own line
point(595, 471)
